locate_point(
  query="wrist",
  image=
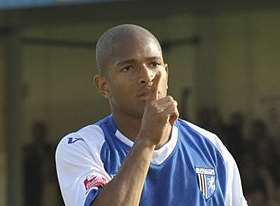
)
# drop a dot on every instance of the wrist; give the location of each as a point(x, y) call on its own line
point(145, 143)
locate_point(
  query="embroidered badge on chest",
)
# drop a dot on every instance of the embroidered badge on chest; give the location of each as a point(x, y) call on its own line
point(206, 181)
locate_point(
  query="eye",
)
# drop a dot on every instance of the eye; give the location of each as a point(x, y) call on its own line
point(155, 64)
point(126, 68)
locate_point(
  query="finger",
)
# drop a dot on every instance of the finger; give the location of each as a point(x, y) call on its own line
point(173, 117)
point(170, 110)
point(162, 107)
point(155, 87)
point(172, 113)
point(166, 100)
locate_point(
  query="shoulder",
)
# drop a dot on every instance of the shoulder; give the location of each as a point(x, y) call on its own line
point(78, 163)
point(86, 140)
point(213, 139)
point(233, 188)
point(198, 129)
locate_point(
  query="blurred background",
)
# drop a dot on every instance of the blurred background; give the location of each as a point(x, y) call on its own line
point(224, 66)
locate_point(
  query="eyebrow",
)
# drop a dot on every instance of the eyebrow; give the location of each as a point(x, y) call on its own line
point(120, 63)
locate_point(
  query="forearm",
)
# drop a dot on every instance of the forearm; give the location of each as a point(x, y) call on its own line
point(126, 187)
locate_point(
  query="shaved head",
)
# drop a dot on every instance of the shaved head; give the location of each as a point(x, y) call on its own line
point(116, 36)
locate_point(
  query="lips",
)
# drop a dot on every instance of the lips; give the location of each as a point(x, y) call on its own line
point(145, 94)
point(144, 89)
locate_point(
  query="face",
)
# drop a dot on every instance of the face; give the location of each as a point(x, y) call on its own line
point(133, 66)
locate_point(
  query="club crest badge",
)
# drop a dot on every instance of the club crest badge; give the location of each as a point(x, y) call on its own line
point(206, 181)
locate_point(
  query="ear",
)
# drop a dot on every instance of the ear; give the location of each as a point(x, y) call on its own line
point(166, 68)
point(102, 85)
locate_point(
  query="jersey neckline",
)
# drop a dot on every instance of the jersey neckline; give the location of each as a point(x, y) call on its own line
point(161, 154)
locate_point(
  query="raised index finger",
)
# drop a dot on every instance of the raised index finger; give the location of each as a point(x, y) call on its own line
point(155, 87)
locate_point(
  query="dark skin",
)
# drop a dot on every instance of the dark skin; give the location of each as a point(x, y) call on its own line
point(136, 86)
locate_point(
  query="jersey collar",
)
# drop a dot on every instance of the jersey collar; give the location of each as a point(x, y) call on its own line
point(161, 154)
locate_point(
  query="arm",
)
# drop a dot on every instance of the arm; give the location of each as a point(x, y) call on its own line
point(126, 187)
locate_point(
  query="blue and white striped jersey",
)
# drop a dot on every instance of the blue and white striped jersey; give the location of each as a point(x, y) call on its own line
point(193, 168)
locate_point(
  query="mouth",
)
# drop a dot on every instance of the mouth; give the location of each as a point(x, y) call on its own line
point(144, 95)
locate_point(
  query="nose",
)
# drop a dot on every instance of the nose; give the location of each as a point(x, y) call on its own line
point(146, 75)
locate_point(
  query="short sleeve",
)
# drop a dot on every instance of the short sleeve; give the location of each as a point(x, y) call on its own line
point(80, 171)
point(234, 191)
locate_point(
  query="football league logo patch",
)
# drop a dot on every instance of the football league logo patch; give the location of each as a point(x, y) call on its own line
point(206, 180)
point(94, 181)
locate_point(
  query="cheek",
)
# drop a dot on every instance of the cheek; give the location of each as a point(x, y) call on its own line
point(121, 87)
point(164, 85)
point(164, 80)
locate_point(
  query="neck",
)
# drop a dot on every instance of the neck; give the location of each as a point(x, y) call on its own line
point(128, 125)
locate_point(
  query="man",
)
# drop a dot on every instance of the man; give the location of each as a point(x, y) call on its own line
point(142, 154)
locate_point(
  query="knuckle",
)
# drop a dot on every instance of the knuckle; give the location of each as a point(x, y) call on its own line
point(174, 105)
point(170, 98)
point(152, 104)
point(155, 108)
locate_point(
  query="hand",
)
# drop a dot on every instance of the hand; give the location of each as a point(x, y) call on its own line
point(159, 115)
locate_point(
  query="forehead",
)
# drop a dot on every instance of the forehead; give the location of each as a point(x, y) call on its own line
point(135, 48)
